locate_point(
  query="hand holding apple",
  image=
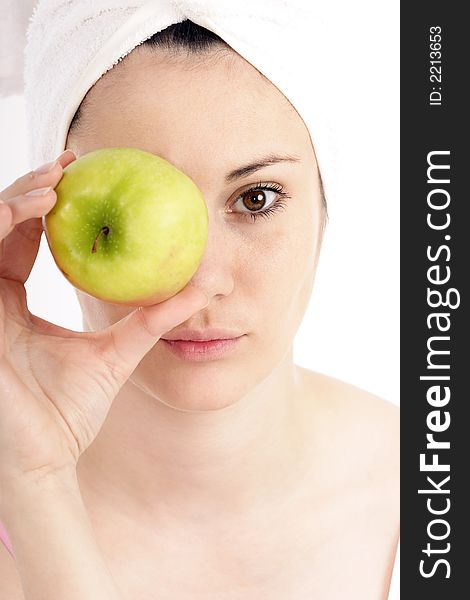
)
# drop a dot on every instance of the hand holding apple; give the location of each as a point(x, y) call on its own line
point(128, 227)
point(57, 385)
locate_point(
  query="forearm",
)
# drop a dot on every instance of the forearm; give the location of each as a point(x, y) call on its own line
point(56, 552)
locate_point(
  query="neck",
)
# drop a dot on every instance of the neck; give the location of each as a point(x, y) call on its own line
point(149, 456)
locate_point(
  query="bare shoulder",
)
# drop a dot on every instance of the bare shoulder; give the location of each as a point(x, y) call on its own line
point(9, 577)
point(354, 437)
point(364, 423)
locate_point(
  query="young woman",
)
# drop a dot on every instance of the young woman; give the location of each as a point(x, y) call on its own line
point(144, 459)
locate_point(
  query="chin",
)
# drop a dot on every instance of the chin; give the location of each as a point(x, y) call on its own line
point(194, 394)
point(199, 386)
point(197, 400)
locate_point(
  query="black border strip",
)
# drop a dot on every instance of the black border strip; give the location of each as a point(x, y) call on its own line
point(425, 128)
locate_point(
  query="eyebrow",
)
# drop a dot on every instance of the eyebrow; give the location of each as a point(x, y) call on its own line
point(266, 161)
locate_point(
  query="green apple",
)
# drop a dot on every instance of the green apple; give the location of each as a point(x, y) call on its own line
point(128, 227)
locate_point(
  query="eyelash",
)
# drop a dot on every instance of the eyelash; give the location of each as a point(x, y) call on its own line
point(279, 203)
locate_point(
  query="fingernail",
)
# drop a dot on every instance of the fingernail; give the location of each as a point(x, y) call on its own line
point(65, 152)
point(46, 168)
point(39, 192)
point(206, 300)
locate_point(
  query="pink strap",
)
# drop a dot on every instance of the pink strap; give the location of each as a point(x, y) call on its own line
point(5, 539)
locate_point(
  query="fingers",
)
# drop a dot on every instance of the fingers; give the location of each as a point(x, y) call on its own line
point(38, 179)
point(27, 207)
point(21, 205)
point(31, 195)
point(19, 249)
point(6, 220)
point(126, 342)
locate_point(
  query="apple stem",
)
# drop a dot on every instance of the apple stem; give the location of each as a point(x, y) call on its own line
point(104, 231)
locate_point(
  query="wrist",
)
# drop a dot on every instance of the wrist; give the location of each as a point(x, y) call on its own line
point(19, 492)
point(56, 552)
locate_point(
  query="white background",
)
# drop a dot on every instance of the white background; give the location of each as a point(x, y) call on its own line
point(351, 327)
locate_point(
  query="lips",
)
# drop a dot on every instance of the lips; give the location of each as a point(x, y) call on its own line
point(202, 335)
point(211, 344)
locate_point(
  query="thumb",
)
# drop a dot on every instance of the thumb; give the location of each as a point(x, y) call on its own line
point(126, 342)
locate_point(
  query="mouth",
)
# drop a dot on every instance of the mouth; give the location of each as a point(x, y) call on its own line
point(201, 350)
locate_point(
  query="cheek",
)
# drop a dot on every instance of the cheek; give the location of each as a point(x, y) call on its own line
point(278, 262)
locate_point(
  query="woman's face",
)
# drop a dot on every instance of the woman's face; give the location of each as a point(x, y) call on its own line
point(210, 116)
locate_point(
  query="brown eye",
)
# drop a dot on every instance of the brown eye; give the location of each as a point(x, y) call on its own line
point(261, 200)
point(253, 200)
point(256, 200)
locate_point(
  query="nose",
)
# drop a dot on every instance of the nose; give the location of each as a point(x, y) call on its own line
point(215, 273)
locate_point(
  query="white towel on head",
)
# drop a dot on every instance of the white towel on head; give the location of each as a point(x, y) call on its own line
point(72, 43)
